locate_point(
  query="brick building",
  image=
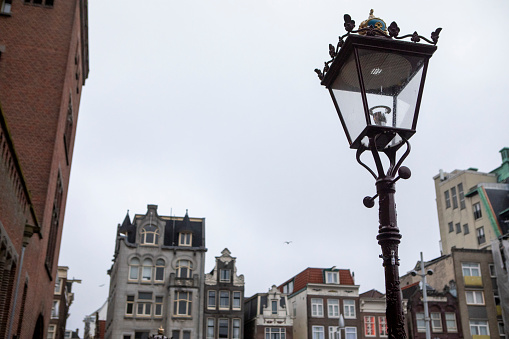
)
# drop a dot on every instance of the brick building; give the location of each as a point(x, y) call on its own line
point(43, 66)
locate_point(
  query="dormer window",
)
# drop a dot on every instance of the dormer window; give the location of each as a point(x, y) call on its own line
point(331, 277)
point(185, 239)
point(150, 235)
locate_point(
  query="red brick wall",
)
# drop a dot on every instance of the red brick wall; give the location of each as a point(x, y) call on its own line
point(37, 76)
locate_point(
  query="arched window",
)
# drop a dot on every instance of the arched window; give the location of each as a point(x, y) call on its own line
point(159, 270)
point(184, 269)
point(134, 268)
point(147, 270)
point(150, 235)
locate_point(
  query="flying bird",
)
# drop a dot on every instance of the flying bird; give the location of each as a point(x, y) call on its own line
point(288, 242)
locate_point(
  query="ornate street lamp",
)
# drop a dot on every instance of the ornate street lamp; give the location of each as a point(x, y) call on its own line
point(376, 81)
point(159, 335)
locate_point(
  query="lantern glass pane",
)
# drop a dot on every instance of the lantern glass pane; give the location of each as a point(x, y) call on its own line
point(392, 82)
point(346, 91)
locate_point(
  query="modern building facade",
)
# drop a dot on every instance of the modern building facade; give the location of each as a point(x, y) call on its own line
point(224, 292)
point(267, 316)
point(468, 275)
point(43, 66)
point(157, 277)
point(317, 297)
point(473, 207)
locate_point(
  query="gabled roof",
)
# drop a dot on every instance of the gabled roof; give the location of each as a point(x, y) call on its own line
point(373, 294)
point(313, 275)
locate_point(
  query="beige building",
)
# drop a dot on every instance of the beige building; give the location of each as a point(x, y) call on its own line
point(471, 205)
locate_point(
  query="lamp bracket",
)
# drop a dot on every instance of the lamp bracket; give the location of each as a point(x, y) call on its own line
point(393, 30)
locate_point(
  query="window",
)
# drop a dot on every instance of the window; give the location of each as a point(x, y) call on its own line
point(159, 270)
point(175, 334)
point(275, 333)
point(465, 229)
point(351, 332)
point(447, 200)
point(317, 308)
point(39, 2)
point(6, 7)
point(54, 309)
point(458, 227)
point(236, 300)
point(421, 324)
point(462, 196)
point(158, 311)
point(223, 328)
point(382, 326)
point(67, 334)
point(150, 235)
point(274, 307)
point(68, 130)
point(481, 238)
point(187, 334)
point(210, 328)
point(333, 307)
point(211, 299)
point(288, 288)
point(471, 269)
point(450, 322)
point(144, 304)
point(331, 277)
point(333, 332)
point(185, 239)
point(451, 227)
point(182, 304)
point(54, 224)
point(479, 327)
point(294, 308)
point(129, 307)
point(184, 269)
point(475, 297)
point(236, 329)
point(58, 285)
point(224, 275)
point(52, 329)
point(454, 198)
point(369, 326)
point(224, 300)
point(501, 329)
point(146, 270)
point(492, 271)
point(318, 332)
point(477, 210)
point(349, 308)
point(134, 269)
point(436, 322)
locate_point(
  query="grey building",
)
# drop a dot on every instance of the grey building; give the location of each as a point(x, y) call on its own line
point(224, 291)
point(157, 276)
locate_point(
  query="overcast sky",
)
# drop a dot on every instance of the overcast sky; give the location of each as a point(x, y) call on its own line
point(213, 106)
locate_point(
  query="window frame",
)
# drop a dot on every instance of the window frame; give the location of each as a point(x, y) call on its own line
point(349, 310)
point(333, 308)
point(454, 198)
point(466, 229)
point(369, 326)
point(225, 275)
point(236, 334)
point(474, 298)
point(461, 195)
point(383, 330)
point(436, 322)
point(159, 303)
point(451, 226)
point(152, 232)
point(449, 328)
point(318, 332)
point(182, 299)
point(477, 324)
point(159, 270)
point(130, 301)
point(214, 297)
point(52, 330)
point(317, 307)
point(211, 325)
point(186, 239)
point(227, 327)
point(349, 331)
point(224, 295)
point(470, 268)
point(234, 299)
point(481, 235)
point(55, 309)
point(332, 277)
point(477, 211)
point(447, 199)
point(279, 332)
point(134, 267)
point(458, 228)
point(181, 266)
point(146, 304)
point(147, 266)
point(420, 322)
point(332, 332)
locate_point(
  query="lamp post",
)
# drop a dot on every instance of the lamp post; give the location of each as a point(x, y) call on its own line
point(159, 335)
point(376, 80)
point(341, 325)
point(423, 275)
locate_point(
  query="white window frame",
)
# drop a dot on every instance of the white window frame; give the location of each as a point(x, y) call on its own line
point(331, 277)
point(211, 327)
point(478, 325)
point(333, 308)
point(332, 332)
point(144, 308)
point(317, 307)
point(436, 322)
point(450, 319)
point(147, 267)
point(370, 325)
point(420, 322)
point(129, 301)
point(58, 283)
point(187, 265)
point(209, 305)
point(159, 302)
point(236, 295)
point(349, 309)
point(153, 232)
point(318, 332)
point(382, 326)
point(186, 298)
point(224, 320)
point(55, 308)
point(225, 275)
point(471, 269)
point(476, 295)
point(350, 332)
point(222, 298)
point(278, 332)
point(52, 331)
point(185, 239)
point(134, 267)
point(273, 309)
point(236, 334)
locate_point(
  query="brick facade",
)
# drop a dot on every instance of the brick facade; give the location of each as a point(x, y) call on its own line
point(43, 66)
